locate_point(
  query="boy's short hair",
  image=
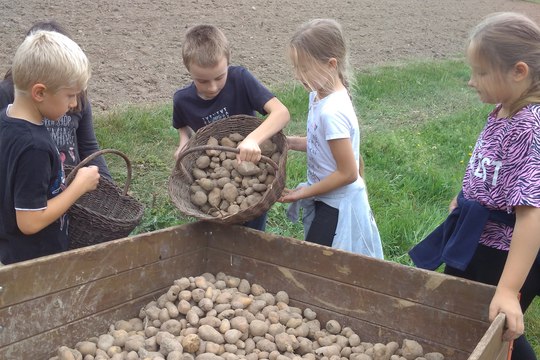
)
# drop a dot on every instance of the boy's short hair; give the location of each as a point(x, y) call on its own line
point(52, 59)
point(204, 45)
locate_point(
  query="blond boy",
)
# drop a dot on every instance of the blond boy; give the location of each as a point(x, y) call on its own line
point(49, 71)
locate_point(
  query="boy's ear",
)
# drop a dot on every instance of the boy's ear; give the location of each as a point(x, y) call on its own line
point(37, 92)
point(521, 70)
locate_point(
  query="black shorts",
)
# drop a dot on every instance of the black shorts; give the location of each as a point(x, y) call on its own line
point(323, 227)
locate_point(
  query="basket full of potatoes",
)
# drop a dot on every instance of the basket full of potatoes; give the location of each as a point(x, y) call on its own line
point(208, 182)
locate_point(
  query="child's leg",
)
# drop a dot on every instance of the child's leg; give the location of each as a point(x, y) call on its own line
point(257, 223)
point(323, 227)
point(486, 266)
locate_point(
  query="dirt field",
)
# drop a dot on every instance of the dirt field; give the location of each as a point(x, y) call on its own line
point(134, 45)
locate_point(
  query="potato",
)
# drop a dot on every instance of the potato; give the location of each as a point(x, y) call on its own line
point(199, 198)
point(267, 147)
point(247, 168)
point(206, 184)
point(212, 141)
point(228, 142)
point(236, 137)
point(229, 193)
point(259, 187)
point(202, 162)
point(214, 197)
point(199, 174)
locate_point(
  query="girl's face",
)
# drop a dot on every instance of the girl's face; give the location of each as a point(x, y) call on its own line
point(314, 75)
point(492, 85)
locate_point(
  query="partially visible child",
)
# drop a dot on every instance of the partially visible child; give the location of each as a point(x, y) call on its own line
point(220, 90)
point(74, 132)
point(492, 234)
point(49, 71)
point(335, 202)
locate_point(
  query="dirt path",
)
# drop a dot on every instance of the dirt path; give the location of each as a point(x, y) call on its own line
point(134, 45)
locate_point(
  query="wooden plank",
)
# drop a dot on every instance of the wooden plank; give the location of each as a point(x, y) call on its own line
point(416, 319)
point(34, 278)
point(44, 345)
point(491, 346)
point(51, 311)
point(375, 333)
point(421, 286)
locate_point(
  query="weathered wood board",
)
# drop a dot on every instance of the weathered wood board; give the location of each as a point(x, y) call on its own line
point(65, 298)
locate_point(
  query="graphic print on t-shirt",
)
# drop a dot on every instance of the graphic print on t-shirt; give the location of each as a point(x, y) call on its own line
point(218, 115)
point(64, 135)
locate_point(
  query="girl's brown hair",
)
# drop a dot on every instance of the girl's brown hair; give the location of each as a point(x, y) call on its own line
point(503, 40)
point(315, 43)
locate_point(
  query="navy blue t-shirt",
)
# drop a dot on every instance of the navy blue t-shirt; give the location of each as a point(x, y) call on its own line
point(31, 175)
point(242, 94)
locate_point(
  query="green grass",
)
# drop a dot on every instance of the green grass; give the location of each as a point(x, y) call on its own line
point(419, 122)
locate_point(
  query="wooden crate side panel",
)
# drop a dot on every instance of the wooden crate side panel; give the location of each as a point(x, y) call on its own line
point(491, 346)
point(374, 333)
point(427, 287)
point(396, 314)
point(45, 345)
point(46, 275)
point(63, 307)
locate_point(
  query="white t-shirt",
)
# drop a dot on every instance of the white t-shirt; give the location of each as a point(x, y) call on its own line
point(330, 118)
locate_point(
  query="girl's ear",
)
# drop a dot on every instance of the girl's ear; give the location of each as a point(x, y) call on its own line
point(333, 63)
point(521, 71)
point(37, 92)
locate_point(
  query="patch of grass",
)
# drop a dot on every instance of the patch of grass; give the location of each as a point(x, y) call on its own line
point(419, 122)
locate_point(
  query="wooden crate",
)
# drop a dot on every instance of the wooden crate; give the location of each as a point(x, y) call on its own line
point(65, 298)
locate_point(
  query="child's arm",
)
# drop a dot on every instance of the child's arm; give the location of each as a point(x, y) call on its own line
point(184, 133)
point(278, 117)
point(523, 251)
point(31, 222)
point(345, 173)
point(297, 143)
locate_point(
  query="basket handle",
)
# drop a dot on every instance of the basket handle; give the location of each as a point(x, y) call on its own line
point(91, 157)
point(266, 159)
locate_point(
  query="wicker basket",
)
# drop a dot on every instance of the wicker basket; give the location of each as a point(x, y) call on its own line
point(180, 179)
point(104, 214)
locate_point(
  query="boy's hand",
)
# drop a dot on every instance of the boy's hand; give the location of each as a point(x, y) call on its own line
point(87, 178)
point(249, 151)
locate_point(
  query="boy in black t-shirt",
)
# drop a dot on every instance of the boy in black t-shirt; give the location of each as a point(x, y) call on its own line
point(49, 71)
point(219, 91)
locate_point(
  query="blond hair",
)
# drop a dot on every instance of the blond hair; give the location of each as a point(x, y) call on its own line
point(315, 43)
point(52, 59)
point(205, 46)
point(504, 39)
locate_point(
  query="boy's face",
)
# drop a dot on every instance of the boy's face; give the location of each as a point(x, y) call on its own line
point(55, 104)
point(209, 80)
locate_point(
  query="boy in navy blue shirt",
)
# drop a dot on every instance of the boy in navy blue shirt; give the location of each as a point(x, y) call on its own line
point(218, 91)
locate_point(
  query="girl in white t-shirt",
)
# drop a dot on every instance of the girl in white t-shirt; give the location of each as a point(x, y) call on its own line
point(336, 208)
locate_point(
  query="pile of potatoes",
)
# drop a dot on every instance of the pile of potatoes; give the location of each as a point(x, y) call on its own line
point(226, 318)
point(222, 186)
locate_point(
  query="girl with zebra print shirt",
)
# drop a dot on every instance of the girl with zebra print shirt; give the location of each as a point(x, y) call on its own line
point(492, 234)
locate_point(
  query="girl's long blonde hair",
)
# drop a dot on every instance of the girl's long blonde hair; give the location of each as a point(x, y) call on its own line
point(315, 43)
point(503, 40)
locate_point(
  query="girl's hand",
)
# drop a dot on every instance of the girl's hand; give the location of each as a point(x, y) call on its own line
point(507, 302)
point(249, 151)
point(288, 195)
point(453, 204)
